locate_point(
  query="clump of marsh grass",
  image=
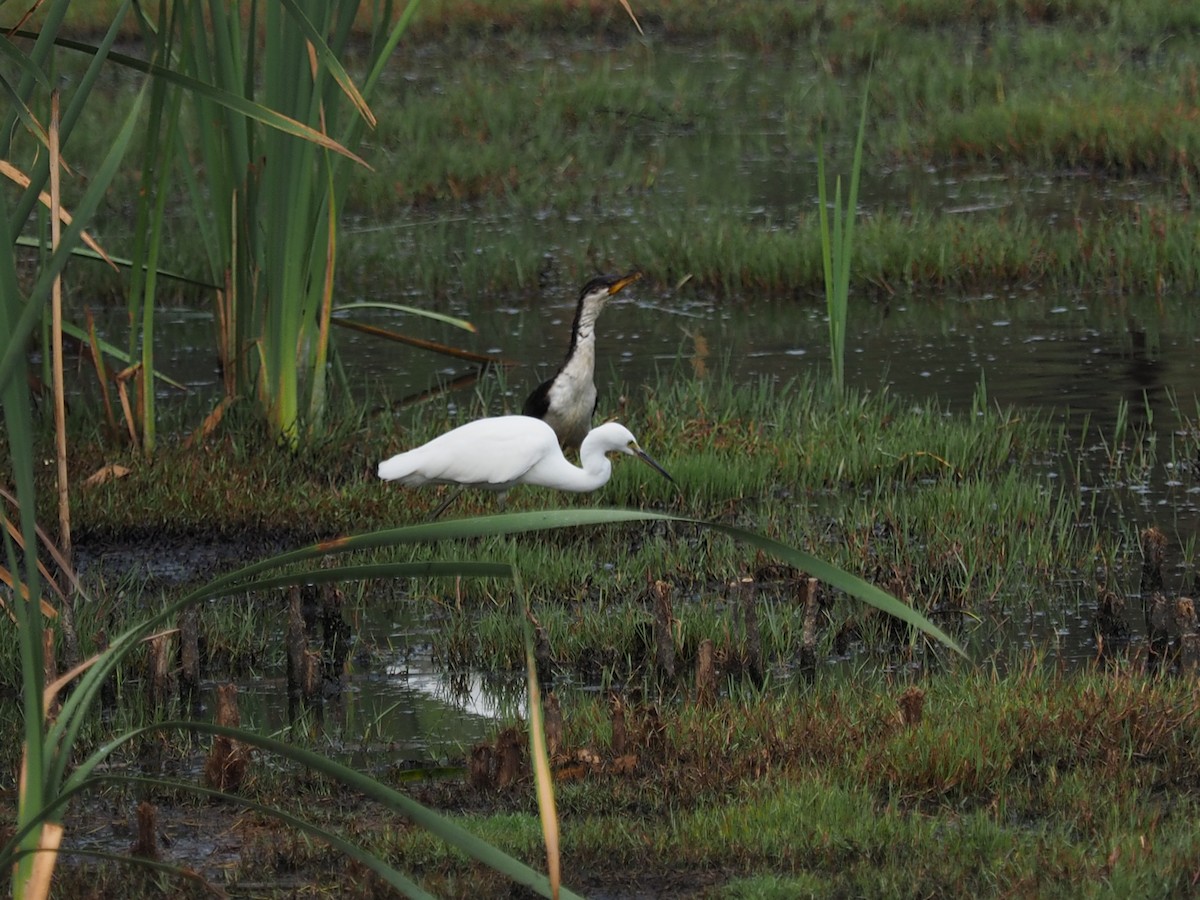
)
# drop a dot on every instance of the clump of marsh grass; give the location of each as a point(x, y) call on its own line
point(954, 510)
point(837, 247)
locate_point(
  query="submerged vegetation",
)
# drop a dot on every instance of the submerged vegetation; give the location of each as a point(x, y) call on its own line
point(719, 722)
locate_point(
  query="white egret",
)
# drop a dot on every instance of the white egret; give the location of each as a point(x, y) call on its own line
point(568, 400)
point(502, 451)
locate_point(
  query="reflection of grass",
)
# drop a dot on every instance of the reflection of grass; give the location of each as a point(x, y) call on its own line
point(1143, 250)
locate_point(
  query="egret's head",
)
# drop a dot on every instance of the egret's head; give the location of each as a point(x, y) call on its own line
point(615, 436)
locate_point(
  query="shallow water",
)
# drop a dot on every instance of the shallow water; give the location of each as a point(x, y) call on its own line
point(1077, 360)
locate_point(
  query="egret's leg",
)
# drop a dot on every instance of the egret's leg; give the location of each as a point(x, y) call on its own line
point(446, 503)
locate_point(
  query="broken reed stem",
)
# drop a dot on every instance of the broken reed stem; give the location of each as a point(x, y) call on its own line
point(158, 670)
point(808, 636)
point(510, 746)
point(552, 724)
point(337, 636)
point(1189, 638)
point(912, 705)
point(620, 735)
point(1110, 613)
point(663, 631)
point(301, 667)
point(189, 659)
point(501, 763)
point(1154, 544)
point(1160, 614)
point(228, 759)
point(754, 663)
point(706, 673)
point(481, 770)
point(543, 658)
point(145, 843)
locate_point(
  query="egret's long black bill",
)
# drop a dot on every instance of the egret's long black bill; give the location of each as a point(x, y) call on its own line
point(649, 460)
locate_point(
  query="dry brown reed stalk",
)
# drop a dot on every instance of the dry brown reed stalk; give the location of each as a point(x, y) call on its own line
point(1154, 544)
point(807, 598)
point(301, 661)
point(145, 842)
point(159, 667)
point(664, 631)
point(619, 732)
point(553, 723)
point(912, 705)
point(753, 655)
point(510, 751)
point(228, 759)
point(189, 658)
point(706, 673)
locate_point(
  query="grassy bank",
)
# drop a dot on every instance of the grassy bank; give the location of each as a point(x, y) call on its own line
point(782, 460)
point(846, 788)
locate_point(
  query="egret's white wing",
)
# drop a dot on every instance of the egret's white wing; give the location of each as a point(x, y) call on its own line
point(494, 452)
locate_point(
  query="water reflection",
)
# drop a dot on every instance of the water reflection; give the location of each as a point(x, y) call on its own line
point(412, 712)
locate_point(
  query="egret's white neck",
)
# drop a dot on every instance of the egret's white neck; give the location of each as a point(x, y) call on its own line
point(565, 476)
